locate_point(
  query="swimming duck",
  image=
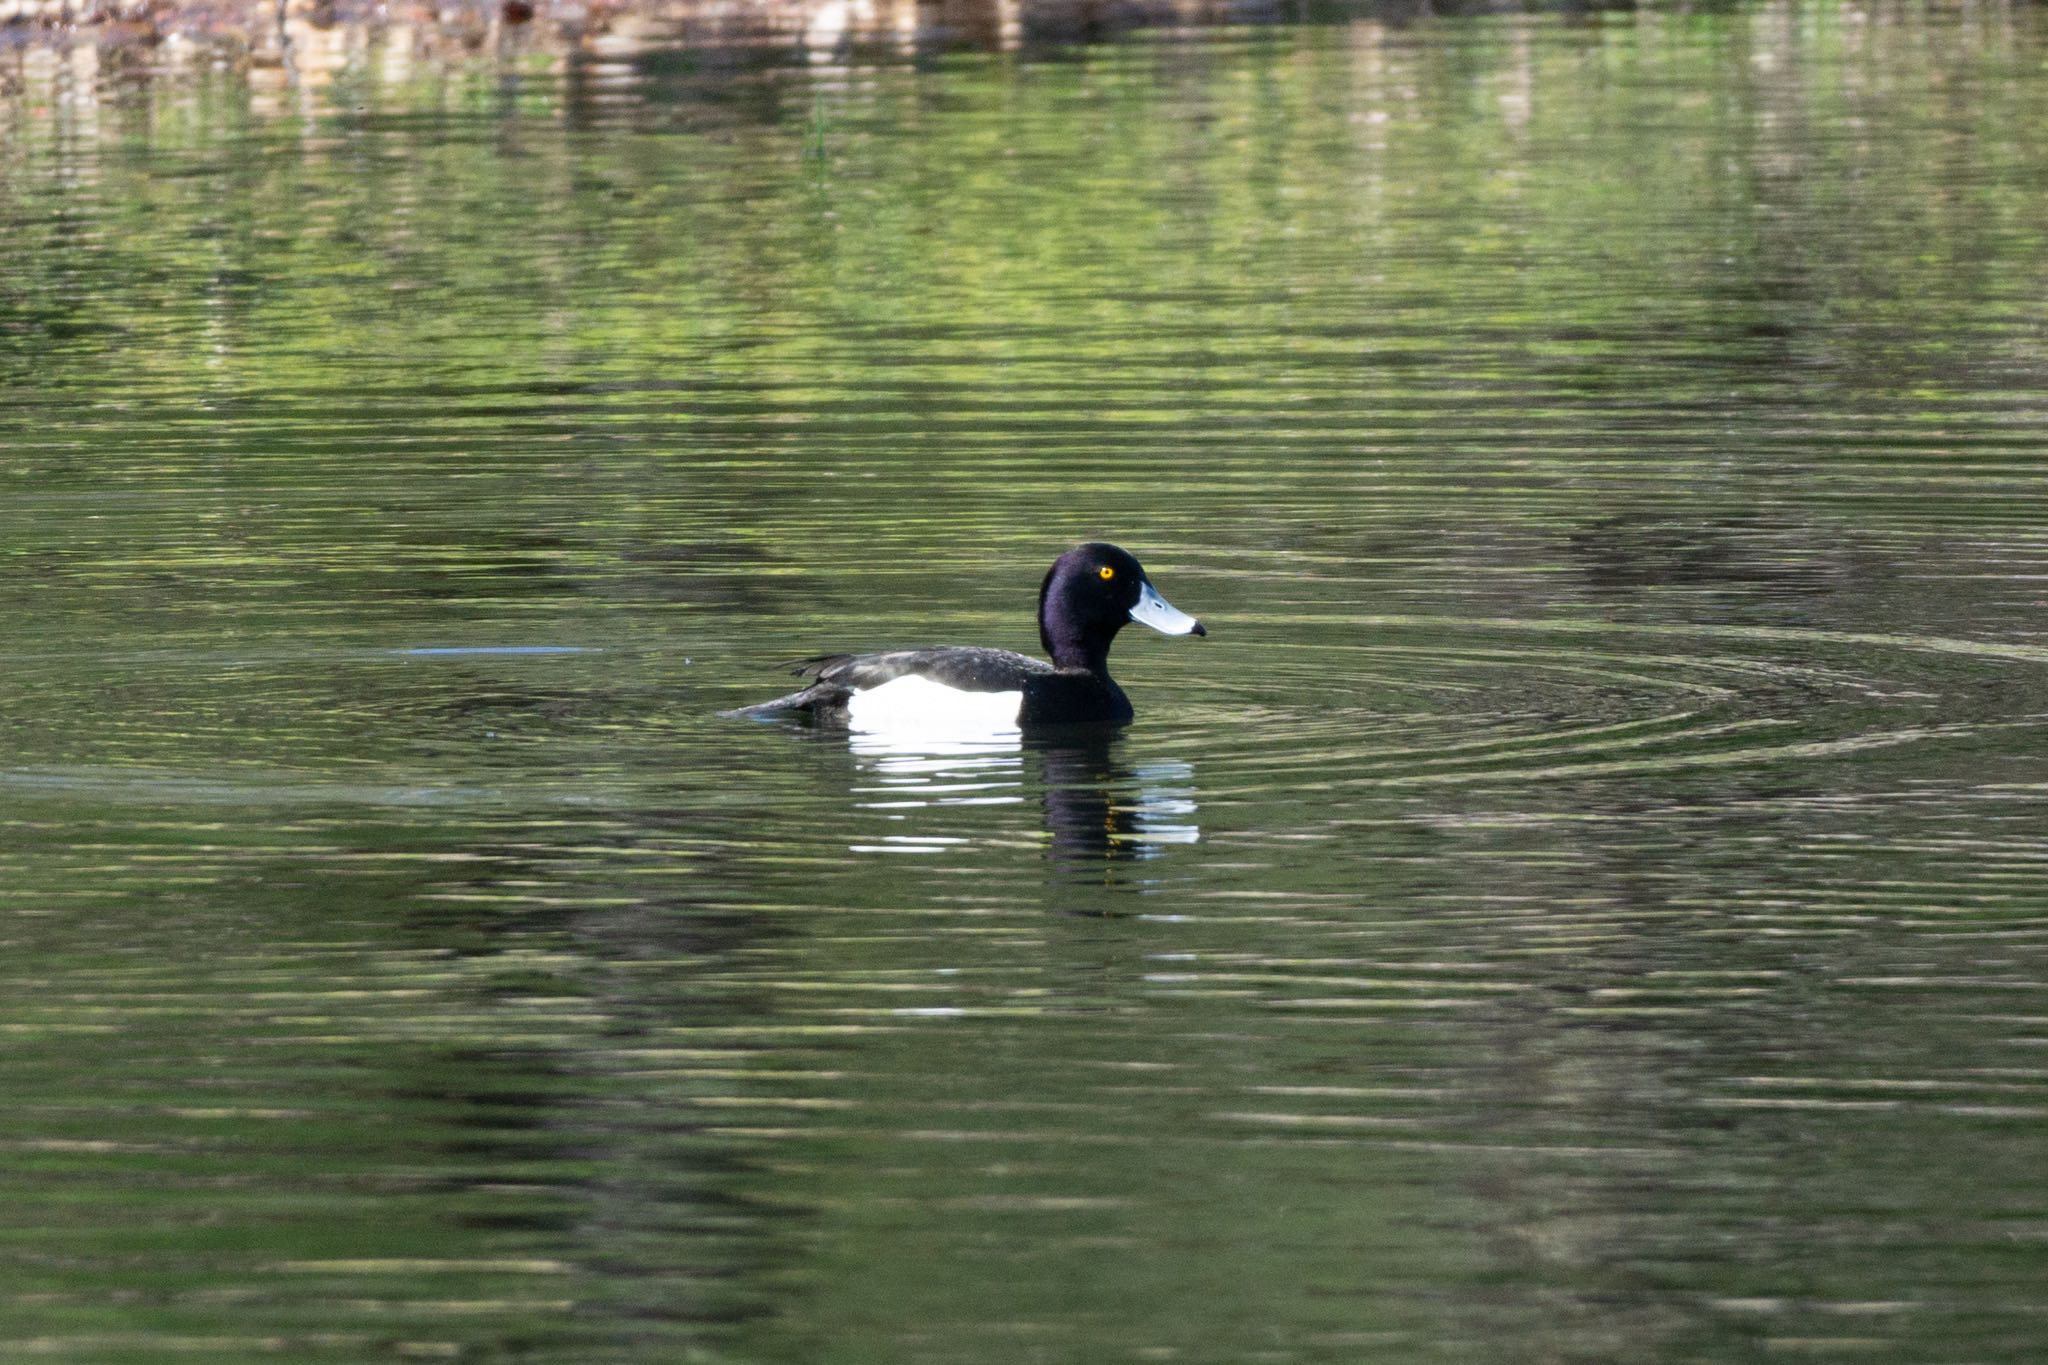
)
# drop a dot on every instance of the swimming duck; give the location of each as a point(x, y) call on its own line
point(1088, 595)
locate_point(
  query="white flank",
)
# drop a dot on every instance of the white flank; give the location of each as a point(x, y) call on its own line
point(914, 705)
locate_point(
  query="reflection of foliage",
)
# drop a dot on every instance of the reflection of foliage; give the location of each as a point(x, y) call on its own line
point(1494, 271)
point(1496, 277)
point(814, 140)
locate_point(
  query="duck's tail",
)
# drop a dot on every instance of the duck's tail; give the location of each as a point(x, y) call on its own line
point(815, 702)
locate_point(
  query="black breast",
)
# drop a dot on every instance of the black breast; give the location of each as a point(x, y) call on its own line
point(1073, 697)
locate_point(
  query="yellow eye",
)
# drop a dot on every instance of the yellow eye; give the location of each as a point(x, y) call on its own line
point(1106, 573)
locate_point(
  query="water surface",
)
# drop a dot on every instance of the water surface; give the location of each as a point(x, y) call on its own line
point(1584, 902)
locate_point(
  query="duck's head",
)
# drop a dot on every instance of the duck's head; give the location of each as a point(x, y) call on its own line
point(1088, 595)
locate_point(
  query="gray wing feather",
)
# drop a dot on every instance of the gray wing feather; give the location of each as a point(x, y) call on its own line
point(969, 669)
point(835, 677)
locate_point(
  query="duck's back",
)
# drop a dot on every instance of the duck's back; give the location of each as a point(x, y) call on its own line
point(964, 668)
point(952, 687)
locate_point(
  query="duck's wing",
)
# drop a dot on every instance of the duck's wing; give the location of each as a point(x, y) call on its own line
point(963, 667)
point(836, 677)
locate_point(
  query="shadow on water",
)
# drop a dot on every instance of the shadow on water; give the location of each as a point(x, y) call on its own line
point(587, 1119)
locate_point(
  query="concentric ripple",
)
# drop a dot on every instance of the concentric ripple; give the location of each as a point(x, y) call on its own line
point(1500, 702)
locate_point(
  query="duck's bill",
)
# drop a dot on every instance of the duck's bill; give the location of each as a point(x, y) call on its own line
point(1156, 612)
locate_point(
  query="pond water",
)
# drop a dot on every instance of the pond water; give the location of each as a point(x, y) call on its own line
point(1587, 900)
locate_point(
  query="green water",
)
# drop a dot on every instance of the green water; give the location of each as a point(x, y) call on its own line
point(1586, 901)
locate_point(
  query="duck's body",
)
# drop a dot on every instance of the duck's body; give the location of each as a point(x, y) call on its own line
point(1087, 596)
point(900, 688)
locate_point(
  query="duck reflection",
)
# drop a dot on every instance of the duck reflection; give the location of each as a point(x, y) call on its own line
point(903, 781)
point(1101, 810)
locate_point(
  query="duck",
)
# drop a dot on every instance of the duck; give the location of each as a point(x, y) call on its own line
point(1089, 594)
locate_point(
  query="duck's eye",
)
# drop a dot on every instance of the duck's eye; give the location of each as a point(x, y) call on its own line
point(1105, 573)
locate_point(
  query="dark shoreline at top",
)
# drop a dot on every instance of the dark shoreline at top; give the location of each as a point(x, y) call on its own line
point(150, 36)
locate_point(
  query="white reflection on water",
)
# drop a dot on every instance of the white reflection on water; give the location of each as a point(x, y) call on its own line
point(1164, 809)
point(1095, 807)
point(905, 775)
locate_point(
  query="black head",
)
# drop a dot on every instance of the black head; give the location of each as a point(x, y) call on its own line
point(1089, 594)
